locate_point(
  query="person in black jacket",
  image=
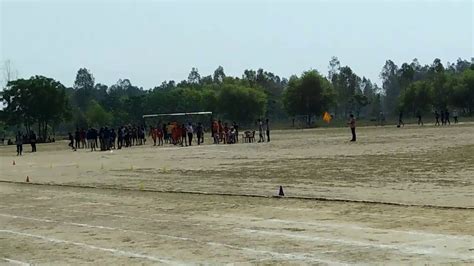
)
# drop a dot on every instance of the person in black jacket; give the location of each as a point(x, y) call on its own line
point(33, 141)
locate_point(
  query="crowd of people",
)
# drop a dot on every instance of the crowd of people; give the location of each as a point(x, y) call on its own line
point(107, 138)
point(173, 133)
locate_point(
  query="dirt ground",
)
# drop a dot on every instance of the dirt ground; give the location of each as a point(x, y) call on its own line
point(138, 206)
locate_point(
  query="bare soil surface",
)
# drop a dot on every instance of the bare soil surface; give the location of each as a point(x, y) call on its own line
point(133, 206)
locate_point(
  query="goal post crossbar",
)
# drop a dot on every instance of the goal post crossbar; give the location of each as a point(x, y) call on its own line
point(177, 114)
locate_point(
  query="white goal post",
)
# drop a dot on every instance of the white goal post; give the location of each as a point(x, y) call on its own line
point(177, 114)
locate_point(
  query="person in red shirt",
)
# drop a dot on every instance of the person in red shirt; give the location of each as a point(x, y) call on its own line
point(175, 133)
point(215, 132)
point(159, 134)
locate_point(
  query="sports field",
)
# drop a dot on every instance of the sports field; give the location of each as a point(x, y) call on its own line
point(397, 195)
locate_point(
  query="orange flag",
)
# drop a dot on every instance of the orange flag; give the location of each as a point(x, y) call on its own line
point(327, 117)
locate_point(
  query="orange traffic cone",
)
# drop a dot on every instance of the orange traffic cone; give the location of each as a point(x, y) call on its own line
point(14, 162)
point(27, 179)
point(281, 193)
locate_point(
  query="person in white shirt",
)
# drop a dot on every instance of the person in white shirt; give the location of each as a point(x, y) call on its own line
point(190, 131)
point(260, 131)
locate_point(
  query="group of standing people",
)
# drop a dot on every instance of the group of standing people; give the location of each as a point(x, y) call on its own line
point(163, 133)
point(20, 139)
point(224, 133)
point(107, 138)
point(176, 134)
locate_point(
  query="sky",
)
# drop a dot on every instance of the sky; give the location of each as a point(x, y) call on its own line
point(152, 41)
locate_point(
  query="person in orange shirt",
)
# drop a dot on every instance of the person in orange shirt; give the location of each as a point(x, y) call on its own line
point(221, 131)
point(175, 133)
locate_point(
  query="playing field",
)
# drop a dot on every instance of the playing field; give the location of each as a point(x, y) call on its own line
point(398, 195)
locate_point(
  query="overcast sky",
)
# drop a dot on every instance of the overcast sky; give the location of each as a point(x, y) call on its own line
point(152, 41)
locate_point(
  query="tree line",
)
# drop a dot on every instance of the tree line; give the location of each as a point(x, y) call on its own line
point(41, 103)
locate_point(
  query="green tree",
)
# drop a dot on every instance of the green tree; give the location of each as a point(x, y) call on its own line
point(309, 95)
point(38, 100)
point(219, 75)
point(417, 97)
point(390, 86)
point(463, 91)
point(194, 77)
point(242, 104)
point(97, 116)
point(83, 88)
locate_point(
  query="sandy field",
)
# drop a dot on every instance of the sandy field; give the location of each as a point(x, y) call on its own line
point(397, 196)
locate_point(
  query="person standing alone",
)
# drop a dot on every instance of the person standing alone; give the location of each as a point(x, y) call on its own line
point(19, 144)
point(267, 129)
point(418, 114)
point(260, 131)
point(352, 125)
point(400, 119)
point(190, 131)
point(33, 141)
point(455, 116)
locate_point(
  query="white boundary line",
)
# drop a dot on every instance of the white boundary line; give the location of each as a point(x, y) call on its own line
point(254, 219)
point(16, 262)
point(116, 252)
point(285, 256)
point(355, 227)
point(403, 248)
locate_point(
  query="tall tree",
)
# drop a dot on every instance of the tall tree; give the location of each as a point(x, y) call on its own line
point(9, 73)
point(219, 75)
point(38, 100)
point(347, 85)
point(97, 116)
point(334, 67)
point(194, 77)
point(309, 95)
point(83, 88)
point(390, 86)
point(406, 75)
point(241, 103)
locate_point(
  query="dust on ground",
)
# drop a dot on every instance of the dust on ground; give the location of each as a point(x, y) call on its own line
point(411, 165)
